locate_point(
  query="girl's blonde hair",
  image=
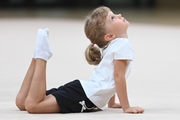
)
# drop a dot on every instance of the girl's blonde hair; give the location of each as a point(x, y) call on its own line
point(95, 29)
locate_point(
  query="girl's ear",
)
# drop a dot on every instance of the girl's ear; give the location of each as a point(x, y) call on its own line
point(109, 37)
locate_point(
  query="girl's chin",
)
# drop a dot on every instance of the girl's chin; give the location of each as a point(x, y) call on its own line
point(127, 24)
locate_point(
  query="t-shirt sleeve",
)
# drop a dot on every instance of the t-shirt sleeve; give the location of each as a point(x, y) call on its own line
point(124, 51)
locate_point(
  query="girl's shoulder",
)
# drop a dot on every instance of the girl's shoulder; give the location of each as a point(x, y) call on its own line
point(122, 49)
point(120, 43)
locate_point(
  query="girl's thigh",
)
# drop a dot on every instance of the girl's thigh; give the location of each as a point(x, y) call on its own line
point(48, 105)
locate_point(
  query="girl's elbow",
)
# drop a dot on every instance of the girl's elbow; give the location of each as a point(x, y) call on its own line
point(118, 79)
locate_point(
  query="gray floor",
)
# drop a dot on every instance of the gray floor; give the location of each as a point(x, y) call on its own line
point(153, 84)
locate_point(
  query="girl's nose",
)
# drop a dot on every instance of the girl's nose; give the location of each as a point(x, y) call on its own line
point(119, 15)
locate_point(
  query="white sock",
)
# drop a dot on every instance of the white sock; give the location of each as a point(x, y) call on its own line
point(47, 31)
point(42, 49)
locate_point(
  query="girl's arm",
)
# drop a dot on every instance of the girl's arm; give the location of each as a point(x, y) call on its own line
point(120, 82)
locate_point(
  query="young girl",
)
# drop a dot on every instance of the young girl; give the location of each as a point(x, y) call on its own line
point(110, 49)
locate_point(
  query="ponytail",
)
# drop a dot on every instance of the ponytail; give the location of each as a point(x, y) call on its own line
point(95, 30)
point(93, 55)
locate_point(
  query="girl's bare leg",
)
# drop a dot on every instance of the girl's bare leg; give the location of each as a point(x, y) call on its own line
point(23, 92)
point(32, 93)
point(36, 101)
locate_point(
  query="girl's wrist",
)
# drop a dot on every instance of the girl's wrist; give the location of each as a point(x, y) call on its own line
point(125, 108)
point(110, 105)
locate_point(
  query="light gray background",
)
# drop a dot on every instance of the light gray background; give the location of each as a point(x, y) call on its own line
point(153, 84)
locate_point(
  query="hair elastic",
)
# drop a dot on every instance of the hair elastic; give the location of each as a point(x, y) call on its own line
point(92, 44)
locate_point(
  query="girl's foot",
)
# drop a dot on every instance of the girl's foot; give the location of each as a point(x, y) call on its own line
point(42, 49)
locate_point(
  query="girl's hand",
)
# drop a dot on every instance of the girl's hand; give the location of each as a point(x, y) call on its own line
point(116, 105)
point(134, 110)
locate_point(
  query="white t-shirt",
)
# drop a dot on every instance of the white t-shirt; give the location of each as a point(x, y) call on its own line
point(100, 87)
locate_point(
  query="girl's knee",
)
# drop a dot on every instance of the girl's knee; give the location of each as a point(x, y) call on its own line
point(30, 107)
point(20, 102)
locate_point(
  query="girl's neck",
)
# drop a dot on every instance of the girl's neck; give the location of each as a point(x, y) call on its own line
point(123, 36)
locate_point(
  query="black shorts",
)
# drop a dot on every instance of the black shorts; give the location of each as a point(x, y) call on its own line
point(71, 98)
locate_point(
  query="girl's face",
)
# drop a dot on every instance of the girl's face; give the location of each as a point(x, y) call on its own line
point(116, 24)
